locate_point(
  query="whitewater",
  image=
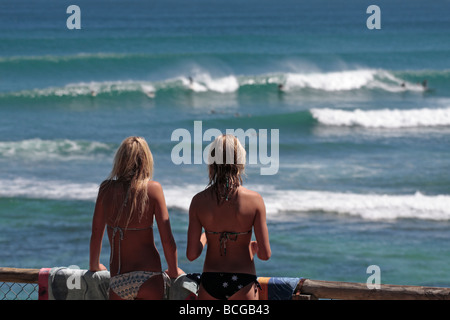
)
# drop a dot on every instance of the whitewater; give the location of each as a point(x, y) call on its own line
point(281, 204)
point(384, 118)
point(201, 80)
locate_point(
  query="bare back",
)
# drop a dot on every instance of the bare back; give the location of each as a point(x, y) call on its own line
point(132, 244)
point(228, 228)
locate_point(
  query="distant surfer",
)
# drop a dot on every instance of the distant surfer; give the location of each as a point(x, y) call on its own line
point(149, 91)
point(281, 91)
point(191, 83)
point(150, 94)
point(425, 85)
point(93, 93)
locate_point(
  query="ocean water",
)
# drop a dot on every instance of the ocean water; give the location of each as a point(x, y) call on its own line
point(364, 151)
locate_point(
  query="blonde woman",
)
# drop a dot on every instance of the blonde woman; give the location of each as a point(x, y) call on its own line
point(127, 203)
point(229, 213)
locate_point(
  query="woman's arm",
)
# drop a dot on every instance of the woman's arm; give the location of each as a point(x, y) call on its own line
point(262, 245)
point(165, 231)
point(196, 240)
point(98, 230)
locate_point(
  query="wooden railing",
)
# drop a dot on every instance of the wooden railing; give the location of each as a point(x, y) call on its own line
point(306, 289)
point(359, 291)
point(19, 284)
point(19, 275)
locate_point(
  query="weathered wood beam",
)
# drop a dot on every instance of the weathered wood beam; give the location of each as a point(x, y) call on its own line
point(19, 275)
point(360, 291)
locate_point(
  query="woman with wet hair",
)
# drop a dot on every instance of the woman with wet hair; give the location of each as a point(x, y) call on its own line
point(127, 203)
point(229, 213)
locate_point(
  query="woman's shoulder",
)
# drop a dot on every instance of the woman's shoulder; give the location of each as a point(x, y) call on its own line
point(203, 199)
point(154, 184)
point(250, 198)
point(249, 193)
point(154, 188)
point(202, 195)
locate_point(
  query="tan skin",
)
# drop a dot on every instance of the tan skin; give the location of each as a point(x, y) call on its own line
point(138, 250)
point(242, 212)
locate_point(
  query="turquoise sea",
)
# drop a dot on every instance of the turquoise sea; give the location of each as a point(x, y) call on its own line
point(364, 151)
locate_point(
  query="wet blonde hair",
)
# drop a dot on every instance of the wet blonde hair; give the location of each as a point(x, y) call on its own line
point(133, 168)
point(226, 166)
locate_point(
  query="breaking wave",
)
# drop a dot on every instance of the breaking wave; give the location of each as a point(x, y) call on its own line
point(279, 203)
point(204, 81)
point(385, 118)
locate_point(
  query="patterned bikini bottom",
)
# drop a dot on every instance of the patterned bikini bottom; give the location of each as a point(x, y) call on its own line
point(127, 285)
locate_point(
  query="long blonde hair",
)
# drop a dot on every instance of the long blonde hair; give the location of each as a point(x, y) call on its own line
point(226, 166)
point(133, 168)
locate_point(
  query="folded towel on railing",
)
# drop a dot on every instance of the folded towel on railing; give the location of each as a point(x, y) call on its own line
point(76, 284)
point(277, 288)
point(61, 283)
point(184, 287)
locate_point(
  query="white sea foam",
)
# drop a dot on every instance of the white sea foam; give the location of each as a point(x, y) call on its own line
point(203, 82)
point(279, 203)
point(332, 81)
point(60, 149)
point(367, 206)
point(384, 118)
point(50, 189)
point(84, 89)
point(349, 80)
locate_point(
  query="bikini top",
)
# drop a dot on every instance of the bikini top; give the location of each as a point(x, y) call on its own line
point(121, 230)
point(225, 236)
